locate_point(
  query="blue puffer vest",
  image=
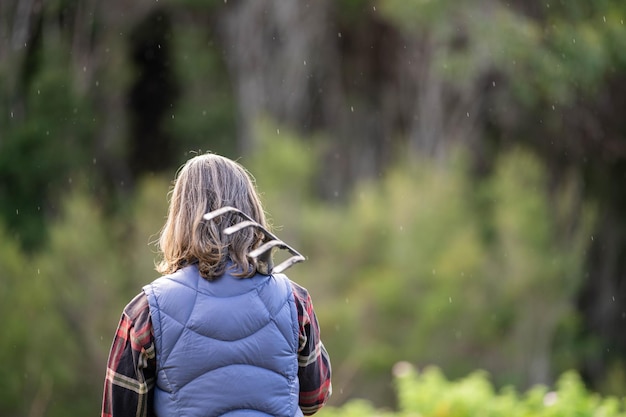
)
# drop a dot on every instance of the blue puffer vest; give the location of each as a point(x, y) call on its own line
point(224, 348)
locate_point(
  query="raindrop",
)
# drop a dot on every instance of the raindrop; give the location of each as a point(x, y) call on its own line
point(93, 161)
point(374, 8)
point(38, 271)
point(352, 109)
point(467, 114)
point(84, 69)
point(305, 63)
point(591, 237)
point(604, 18)
point(278, 131)
point(493, 83)
point(17, 211)
point(553, 108)
point(97, 83)
point(11, 115)
point(172, 116)
point(573, 40)
point(339, 34)
point(450, 300)
point(434, 272)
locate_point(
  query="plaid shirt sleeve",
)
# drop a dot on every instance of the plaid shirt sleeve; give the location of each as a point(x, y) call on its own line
point(314, 370)
point(130, 375)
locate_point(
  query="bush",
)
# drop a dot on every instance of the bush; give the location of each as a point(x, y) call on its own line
point(429, 265)
point(429, 394)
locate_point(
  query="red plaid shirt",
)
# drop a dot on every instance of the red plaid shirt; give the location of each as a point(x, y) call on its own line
point(131, 368)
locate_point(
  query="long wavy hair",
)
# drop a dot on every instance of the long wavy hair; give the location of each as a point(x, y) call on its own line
point(205, 183)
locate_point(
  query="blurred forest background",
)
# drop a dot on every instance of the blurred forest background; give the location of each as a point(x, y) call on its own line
point(454, 171)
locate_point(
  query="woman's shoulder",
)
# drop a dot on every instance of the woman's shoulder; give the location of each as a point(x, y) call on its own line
point(138, 309)
point(301, 293)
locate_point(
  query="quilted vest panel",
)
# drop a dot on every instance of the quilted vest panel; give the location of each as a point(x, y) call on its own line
point(226, 347)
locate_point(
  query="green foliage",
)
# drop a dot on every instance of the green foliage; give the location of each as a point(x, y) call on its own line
point(50, 134)
point(419, 15)
point(61, 306)
point(549, 60)
point(205, 116)
point(283, 165)
point(53, 316)
point(83, 276)
point(15, 337)
point(353, 11)
point(429, 266)
point(429, 394)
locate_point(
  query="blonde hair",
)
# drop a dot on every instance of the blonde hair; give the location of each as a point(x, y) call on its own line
point(203, 184)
